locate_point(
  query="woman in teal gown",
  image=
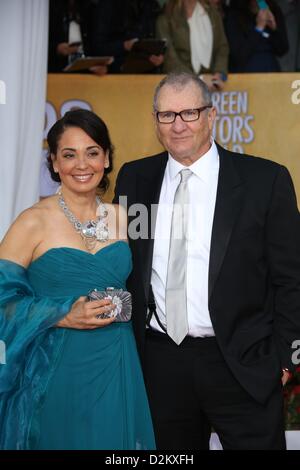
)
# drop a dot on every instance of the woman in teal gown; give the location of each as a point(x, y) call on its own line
point(71, 380)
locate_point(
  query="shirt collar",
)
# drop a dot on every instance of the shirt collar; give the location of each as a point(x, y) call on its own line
point(203, 167)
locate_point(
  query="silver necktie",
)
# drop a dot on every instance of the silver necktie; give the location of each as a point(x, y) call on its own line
point(176, 303)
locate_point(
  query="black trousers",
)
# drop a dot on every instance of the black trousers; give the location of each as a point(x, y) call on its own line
point(191, 389)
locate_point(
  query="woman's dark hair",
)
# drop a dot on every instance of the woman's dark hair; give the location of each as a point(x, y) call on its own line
point(93, 126)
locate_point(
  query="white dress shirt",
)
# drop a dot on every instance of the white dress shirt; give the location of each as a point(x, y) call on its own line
point(201, 38)
point(74, 32)
point(202, 187)
point(75, 35)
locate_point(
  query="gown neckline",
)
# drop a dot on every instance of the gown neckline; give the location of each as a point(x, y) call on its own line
point(77, 249)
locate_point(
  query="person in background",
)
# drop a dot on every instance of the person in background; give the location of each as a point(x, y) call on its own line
point(69, 34)
point(196, 41)
point(257, 37)
point(72, 379)
point(290, 62)
point(143, 14)
point(115, 25)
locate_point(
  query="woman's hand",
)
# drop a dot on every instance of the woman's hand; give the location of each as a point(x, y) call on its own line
point(83, 314)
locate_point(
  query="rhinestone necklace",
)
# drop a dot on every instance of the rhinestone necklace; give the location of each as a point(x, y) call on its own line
point(92, 230)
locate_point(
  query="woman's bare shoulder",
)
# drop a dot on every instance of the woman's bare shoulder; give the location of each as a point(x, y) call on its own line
point(33, 217)
point(25, 233)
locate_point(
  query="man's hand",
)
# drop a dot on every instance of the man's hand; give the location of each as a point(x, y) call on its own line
point(65, 49)
point(98, 69)
point(285, 377)
point(129, 44)
point(262, 18)
point(156, 60)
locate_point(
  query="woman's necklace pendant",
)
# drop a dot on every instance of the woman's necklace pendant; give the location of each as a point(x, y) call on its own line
point(88, 229)
point(92, 230)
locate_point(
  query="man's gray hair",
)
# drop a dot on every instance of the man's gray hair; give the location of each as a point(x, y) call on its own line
point(179, 80)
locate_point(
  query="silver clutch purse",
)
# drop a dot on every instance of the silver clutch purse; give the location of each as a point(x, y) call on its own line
point(119, 297)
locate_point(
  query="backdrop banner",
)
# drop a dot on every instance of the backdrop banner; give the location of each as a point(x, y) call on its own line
point(257, 114)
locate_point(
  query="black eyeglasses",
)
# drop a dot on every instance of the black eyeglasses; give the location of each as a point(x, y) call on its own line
point(187, 115)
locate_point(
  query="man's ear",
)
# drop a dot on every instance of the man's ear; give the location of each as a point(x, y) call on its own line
point(212, 113)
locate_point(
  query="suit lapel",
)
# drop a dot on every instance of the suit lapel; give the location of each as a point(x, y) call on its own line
point(148, 192)
point(229, 201)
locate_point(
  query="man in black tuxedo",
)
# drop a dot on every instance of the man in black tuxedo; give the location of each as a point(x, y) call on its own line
point(240, 265)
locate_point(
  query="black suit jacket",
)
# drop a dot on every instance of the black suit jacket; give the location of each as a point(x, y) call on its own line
point(254, 269)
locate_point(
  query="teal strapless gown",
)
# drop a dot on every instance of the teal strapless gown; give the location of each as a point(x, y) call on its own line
point(96, 397)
